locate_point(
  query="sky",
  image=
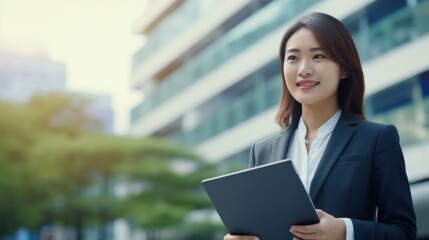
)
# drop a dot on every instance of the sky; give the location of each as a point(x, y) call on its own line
point(94, 38)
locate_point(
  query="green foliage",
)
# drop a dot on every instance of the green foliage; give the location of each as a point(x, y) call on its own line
point(15, 136)
point(57, 168)
point(61, 113)
point(206, 230)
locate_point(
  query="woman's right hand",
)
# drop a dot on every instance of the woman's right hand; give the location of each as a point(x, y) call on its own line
point(234, 237)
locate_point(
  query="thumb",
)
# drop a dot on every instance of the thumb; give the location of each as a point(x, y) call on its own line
point(320, 213)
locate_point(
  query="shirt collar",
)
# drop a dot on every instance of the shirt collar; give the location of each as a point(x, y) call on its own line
point(325, 129)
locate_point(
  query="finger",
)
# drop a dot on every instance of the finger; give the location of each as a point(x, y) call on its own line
point(235, 237)
point(300, 235)
point(320, 213)
point(305, 228)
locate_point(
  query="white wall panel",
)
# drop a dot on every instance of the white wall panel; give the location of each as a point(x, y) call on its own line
point(177, 46)
point(397, 65)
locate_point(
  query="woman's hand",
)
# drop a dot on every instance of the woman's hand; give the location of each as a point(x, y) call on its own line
point(232, 237)
point(329, 228)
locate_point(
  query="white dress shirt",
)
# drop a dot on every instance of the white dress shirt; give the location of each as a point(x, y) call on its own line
point(306, 163)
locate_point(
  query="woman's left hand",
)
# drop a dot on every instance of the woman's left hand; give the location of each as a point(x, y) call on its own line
point(329, 228)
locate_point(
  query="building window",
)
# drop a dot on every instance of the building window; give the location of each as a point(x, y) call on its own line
point(392, 97)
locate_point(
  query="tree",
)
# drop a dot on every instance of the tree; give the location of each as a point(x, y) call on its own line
point(86, 167)
point(16, 136)
point(57, 169)
point(166, 195)
point(61, 113)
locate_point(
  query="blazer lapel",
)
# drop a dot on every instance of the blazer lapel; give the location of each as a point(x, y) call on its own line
point(281, 145)
point(340, 137)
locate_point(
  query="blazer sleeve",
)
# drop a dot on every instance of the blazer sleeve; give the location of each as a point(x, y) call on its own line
point(391, 192)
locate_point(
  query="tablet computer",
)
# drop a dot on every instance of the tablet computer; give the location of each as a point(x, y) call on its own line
point(264, 201)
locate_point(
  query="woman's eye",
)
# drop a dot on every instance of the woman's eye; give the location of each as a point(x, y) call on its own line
point(319, 56)
point(292, 58)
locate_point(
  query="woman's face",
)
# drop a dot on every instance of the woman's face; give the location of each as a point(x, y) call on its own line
point(312, 77)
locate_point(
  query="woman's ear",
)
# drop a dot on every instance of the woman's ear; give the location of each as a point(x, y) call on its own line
point(344, 73)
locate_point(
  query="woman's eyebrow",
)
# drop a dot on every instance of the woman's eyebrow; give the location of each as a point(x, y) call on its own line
point(316, 49)
point(311, 49)
point(293, 50)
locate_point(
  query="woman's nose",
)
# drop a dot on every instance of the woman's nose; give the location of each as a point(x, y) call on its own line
point(305, 70)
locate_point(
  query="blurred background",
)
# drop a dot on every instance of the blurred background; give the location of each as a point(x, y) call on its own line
point(111, 113)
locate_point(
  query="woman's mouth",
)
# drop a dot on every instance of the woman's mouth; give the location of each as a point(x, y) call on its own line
point(307, 84)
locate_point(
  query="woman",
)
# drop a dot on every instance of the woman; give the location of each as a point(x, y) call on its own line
point(353, 169)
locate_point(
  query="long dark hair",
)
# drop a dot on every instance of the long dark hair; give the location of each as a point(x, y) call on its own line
point(336, 40)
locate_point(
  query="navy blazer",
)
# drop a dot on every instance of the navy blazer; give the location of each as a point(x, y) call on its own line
point(361, 176)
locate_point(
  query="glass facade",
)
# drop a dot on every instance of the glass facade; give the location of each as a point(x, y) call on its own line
point(262, 92)
point(375, 32)
point(266, 92)
point(178, 21)
point(23, 76)
point(249, 31)
point(406, 105)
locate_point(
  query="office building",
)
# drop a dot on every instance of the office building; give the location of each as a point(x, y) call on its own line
point(210, 73)
point(22, 76)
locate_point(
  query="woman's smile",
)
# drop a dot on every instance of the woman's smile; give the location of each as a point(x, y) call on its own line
point(307, 84)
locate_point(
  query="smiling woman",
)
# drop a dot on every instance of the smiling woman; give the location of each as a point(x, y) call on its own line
point(353, 169)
